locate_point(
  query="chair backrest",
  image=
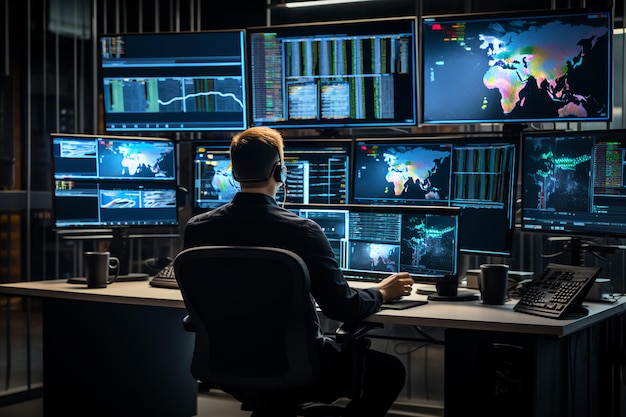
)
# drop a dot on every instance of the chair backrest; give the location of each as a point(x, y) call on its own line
point(253, 316)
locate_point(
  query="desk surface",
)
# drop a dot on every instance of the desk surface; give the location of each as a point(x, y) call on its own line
point(444, 314)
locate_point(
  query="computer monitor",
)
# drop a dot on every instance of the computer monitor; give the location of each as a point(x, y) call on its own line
point(213, 181)
point(317, 172)
point(372, 242)
point(173, 81)
point(476, 174)
point(516, 67)
point(334, 74)
point(114, 182)
point(574, 183)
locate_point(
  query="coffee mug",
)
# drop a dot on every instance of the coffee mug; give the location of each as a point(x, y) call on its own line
point(447, 286)
point(493, 283)
point(98, 268)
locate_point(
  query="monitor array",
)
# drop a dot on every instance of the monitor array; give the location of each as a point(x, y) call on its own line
point(513, 67)
point(476, 174)
point(475, 68)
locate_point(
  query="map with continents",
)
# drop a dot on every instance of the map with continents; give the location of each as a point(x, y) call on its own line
point(543, 60)
point(517, 69)
point(412, 170)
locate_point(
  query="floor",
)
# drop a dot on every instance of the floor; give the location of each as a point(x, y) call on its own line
point(214, 404)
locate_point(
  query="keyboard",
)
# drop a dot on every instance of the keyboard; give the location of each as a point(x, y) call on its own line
point(402, 304)
point(374, 276)
point(165, 278)
point(363, 278)
point(559, 292)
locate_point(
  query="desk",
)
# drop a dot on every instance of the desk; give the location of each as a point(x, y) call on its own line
point(115, 351)
point(123, 347)
point(502, 362)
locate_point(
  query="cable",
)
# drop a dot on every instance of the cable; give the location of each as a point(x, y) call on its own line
point(552, 255)
point(427, 336)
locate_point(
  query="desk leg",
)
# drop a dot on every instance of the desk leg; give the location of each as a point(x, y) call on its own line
point(106, 359)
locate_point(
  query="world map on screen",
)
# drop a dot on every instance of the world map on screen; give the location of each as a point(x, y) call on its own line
point(517, 69)
point(129, 159)
point(525, 59)
point(408, 167)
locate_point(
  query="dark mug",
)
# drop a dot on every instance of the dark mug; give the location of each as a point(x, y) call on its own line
point(447, 286)
point(98, 268)
point(493, 283)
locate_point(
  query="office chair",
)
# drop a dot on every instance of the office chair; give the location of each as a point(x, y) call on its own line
point(254, 324)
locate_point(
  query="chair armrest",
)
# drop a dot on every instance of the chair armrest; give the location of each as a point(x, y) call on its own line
point(348, 332)
point(351, 336)
point(188, 324)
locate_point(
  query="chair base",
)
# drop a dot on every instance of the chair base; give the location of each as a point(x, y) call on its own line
point(312, 409)
point(334, 409)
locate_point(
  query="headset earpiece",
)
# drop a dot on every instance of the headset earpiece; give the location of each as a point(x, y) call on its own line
point(280, 173)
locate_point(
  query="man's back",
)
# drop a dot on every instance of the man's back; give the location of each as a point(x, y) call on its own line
point(256, 219)
point(252, 219)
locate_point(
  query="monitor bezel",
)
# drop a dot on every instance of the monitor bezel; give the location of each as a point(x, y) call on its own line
point(327, 29)
point(221, 146)
point(169, 184)
point(292, 145)
point(164, 130)
point(525, 225)
point(398, 209)
point(509, 138)
point(490, 16)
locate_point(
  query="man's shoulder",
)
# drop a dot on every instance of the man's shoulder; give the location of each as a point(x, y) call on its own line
point(198, 218)
point(303, 223)
point(207, 215)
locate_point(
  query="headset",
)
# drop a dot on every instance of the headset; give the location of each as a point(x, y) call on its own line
point(280, 171)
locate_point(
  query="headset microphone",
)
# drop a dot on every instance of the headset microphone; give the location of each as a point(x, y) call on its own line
point(284, 192)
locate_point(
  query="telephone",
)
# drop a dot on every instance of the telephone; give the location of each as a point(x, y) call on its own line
point(559, 292)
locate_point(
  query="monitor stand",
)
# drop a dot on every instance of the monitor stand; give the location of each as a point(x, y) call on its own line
point(120, 248)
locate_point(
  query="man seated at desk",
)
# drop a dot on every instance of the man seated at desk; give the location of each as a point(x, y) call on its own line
point(254, 218)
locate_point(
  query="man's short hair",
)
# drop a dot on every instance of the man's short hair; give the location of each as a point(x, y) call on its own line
point(256, 153)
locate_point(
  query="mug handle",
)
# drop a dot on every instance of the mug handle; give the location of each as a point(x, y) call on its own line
point(114, 263)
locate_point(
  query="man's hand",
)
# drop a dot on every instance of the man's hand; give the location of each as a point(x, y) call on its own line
point(395, 286)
